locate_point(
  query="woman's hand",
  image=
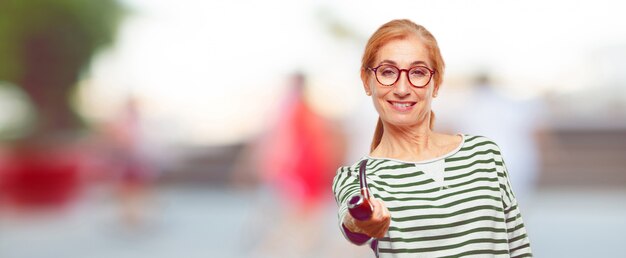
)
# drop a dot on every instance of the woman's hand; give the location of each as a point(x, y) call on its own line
point(376, 226)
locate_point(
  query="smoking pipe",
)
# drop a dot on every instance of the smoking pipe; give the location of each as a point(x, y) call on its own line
point(359, 205)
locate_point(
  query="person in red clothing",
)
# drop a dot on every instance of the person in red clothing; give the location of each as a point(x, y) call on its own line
point(297, 157)
point(295, 161)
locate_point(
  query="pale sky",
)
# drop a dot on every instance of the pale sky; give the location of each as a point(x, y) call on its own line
point(212, 73)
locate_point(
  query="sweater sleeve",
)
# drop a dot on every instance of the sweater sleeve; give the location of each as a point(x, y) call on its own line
point(519, 243)
point(346, 184)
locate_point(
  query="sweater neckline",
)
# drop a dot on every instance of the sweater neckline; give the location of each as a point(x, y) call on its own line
point(444, 156)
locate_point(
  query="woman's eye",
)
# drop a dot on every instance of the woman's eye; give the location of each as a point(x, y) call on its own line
point(418, 73)
point(388, 72)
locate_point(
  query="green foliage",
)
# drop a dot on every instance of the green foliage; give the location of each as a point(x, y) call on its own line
point(81, 27)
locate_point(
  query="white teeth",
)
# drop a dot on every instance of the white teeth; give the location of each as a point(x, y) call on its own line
point(401, 105)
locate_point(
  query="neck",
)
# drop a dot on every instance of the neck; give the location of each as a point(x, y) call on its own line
point(407, 143)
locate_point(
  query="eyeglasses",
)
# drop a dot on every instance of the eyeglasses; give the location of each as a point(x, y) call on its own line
point(388, 75)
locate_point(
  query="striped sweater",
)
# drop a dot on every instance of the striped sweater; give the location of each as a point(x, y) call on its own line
point(460, 204)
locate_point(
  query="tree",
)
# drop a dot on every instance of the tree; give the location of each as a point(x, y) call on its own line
point(45, 46)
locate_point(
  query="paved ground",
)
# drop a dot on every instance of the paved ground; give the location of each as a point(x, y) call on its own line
point(195, 222)
point(578, 223)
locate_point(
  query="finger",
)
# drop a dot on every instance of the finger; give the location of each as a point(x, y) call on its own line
point(368, 225)
point(370, 230)
point(385, 212)
point(386, 226)
point(385, 221)
point(380, 232)
point(378, 209)
point(375, 207)
point(381, 204)
point(352, 224)
point(381, 228)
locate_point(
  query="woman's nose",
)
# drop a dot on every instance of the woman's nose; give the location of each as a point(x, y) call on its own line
point(402, 87)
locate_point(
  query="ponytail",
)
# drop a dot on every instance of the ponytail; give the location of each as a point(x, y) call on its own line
point(378, 135)
point(432, 120)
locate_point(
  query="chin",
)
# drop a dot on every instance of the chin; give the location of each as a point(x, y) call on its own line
point(402, 120)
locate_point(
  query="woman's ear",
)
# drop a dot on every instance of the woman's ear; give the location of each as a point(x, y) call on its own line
point(435, 91)
point(366, 85)
point(367, 88)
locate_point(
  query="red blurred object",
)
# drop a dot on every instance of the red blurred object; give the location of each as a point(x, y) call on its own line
point(41, 177)
point(301, 152)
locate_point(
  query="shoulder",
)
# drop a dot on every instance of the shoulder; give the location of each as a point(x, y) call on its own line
point(350, 169)
point(472, 141)
point(371, 164)
point(346, 175)
point(477, 145)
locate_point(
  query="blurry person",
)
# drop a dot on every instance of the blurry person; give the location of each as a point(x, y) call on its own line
point(134, 171)
point(294, 160)
point(300, 150)
point(513, 124)
point(433, 194)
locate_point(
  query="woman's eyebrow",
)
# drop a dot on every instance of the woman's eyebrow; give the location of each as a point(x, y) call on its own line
point(412, 64)
point(419, 63)
point(388, 61)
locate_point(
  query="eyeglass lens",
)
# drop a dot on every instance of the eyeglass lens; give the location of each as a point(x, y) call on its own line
point(418, 76)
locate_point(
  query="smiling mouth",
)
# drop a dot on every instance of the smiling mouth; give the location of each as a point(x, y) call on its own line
point(402, 106)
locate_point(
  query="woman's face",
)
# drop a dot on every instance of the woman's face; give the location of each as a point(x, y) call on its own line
point(402, 104)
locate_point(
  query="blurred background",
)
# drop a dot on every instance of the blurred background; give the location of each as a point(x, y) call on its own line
point(147, 128)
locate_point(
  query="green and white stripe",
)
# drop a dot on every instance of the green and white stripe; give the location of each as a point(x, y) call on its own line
point(473, 211)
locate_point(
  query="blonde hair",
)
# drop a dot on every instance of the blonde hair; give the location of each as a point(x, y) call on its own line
point(400, 29)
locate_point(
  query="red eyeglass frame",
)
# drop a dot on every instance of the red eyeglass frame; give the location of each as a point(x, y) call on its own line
point(432, 72)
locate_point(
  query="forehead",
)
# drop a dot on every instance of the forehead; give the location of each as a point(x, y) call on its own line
point(404, 52)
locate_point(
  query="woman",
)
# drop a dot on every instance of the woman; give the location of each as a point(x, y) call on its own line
point(434, 195)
